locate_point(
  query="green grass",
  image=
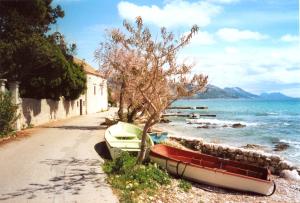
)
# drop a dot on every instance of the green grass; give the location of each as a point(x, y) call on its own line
point(132, 179)
point(185, 185)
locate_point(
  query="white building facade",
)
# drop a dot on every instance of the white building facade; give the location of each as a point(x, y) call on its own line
point(40, 111)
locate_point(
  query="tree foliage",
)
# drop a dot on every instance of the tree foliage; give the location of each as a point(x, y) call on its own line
point(8, 113)
point(42, 63)
point(145, 70)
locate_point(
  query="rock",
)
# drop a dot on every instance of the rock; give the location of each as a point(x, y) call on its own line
point(257, 155)
point(110, 121)
point(203, 126)
point(231, 149)
point(164, 120)
point(239, 157)
point(290, 175)
point(239, 151)
point(253, 146)
point(275, 158)
point(281, 146)
point(238, 125)
point(224, 126)
point(283, 165)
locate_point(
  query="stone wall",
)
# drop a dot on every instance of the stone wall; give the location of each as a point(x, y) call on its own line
point(254, 157)
point(40, 111)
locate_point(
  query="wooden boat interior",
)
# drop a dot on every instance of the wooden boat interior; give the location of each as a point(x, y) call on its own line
point(212, 162)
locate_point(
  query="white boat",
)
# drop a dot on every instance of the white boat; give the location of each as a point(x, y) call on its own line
point(125, 137)
point(213, 170)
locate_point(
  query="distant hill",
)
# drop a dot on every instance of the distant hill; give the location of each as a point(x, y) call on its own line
point(214, 92)
point(274, 95)
point(239, 93)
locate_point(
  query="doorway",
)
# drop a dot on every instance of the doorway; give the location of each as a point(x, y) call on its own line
point(80, 106)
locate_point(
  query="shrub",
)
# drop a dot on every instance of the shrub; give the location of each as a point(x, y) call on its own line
point(7, 114)
point(132, 179)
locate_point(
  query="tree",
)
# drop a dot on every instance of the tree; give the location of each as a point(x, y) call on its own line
point(8, 114)
point(149, 70)
point(42, 63)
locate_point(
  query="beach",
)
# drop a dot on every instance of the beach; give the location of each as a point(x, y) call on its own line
point(287, 190)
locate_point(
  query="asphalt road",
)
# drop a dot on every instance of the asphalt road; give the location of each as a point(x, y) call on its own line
point(56, 163)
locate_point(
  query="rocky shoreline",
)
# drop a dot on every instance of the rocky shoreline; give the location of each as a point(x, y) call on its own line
point(249, 156)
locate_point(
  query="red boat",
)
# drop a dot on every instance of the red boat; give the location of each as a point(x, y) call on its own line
point(213, 170)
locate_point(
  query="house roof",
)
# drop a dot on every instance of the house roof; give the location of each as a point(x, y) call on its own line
point(88, 69)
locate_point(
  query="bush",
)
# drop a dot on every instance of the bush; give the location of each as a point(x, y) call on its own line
point(7, 114)
point(132, 179)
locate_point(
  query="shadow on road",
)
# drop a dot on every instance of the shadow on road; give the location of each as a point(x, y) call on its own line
point(75, 127)
point(77, 173)
point(102, 150)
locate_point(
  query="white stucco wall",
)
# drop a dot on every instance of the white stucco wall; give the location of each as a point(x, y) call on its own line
point(37, 112)
point(96, 94)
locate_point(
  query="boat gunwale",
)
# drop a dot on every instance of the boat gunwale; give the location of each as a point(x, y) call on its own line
point(158, 155)
point(119, 147)
point(109, 142)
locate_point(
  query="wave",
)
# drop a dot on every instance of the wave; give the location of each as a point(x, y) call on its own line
point(267, 114)
point(290, 142)
point(217, 122)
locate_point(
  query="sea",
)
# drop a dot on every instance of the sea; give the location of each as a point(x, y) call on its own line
point(267, 123)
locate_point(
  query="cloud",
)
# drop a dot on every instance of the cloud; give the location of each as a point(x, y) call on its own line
point(290, 38)
point(173, 14)
point(251, 68)
point(231, 50)
point(235, 35)
point(202, 38)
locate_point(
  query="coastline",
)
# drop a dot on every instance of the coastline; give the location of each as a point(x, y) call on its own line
point(287, 190)
point(258, 157)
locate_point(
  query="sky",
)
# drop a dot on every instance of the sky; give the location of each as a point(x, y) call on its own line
point(252, 44)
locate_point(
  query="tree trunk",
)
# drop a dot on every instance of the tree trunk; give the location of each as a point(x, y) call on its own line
point(121, 106)
point(131, 116)
point(143, 146)
point(143, 151)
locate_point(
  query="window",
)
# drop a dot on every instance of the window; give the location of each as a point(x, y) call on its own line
point(101, 90)
point(94, 89)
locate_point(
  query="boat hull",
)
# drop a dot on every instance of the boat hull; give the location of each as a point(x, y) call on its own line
point(213, 176)
point(115, 151)
point(125, 137)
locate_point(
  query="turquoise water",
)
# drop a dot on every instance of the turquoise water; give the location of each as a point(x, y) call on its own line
point(267, 123)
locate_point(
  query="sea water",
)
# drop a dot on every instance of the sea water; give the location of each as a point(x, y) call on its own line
point(267, 123)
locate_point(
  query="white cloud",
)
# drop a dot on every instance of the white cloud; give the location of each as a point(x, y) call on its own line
point(202, 38)
point(290, 38)
point(173, 14)
point(231, 50)
point(258, 70)
point(234, 35)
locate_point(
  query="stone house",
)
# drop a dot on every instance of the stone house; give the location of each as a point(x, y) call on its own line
point(37, 112)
